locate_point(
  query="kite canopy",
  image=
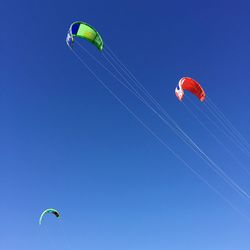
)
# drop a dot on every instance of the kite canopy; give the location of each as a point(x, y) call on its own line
point(84, 30)
point(49, 210)
point(189, 84)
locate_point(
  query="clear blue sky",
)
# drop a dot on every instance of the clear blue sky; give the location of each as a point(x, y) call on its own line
point(66, 143)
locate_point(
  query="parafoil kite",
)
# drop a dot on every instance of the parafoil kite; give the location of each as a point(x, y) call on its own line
point(84, 30)
point(189, 84)
point(49, 210)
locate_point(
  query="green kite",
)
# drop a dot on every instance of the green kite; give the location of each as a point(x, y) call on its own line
point(49, 210)
point(84, 30)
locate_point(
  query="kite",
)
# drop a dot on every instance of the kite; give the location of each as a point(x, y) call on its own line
point(189, 84)
point(84, 30)
point(49, 210)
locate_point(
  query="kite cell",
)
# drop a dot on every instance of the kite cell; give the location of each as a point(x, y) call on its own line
point(49, 210)
point(84, 30)
point(189, 84)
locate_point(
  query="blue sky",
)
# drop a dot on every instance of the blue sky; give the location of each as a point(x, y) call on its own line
point(66, 143)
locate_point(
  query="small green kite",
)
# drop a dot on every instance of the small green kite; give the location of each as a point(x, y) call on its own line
point(49, 210)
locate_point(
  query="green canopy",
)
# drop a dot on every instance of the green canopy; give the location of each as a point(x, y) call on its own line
point(84, 30)
point(49, 210)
